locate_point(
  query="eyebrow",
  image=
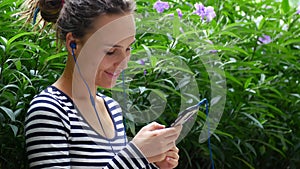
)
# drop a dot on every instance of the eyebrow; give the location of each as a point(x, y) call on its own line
point(119, 46)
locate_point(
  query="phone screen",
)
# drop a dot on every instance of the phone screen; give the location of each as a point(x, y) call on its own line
point(185, 115)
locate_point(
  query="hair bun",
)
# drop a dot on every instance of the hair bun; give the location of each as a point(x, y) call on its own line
point(50, 9)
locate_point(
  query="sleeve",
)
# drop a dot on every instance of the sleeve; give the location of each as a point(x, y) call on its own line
point(47, 129)
point(130, 157)
point(46, 133)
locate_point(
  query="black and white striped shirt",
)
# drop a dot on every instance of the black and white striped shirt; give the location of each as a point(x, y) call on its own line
point(57, 136)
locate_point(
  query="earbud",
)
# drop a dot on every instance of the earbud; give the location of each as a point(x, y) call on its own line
point(73, 45)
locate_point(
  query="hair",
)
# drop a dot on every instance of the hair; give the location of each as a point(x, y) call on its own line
point(74, 16)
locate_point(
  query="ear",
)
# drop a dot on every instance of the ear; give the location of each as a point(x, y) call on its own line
point(70, 41)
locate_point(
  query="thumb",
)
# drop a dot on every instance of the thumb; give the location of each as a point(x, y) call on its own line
point(154, 126)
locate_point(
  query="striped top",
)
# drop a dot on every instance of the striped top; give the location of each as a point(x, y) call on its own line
point(57, 136)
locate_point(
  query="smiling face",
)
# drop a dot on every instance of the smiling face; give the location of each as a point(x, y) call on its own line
point(111, 37)
point(113, 63)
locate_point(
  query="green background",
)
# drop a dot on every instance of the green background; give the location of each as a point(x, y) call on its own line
point(259, 127)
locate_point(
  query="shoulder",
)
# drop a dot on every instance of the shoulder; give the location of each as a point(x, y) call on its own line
point(107, 99)
point(112, 105)
point(50, 102)
point(110, 102)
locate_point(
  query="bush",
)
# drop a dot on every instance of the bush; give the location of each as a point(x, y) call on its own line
point(254, 43)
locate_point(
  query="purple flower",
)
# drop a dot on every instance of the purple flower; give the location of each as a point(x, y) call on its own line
point(207, 13)
point(179, 12)
point(142, 62)
point(199, 10)
point(160, 6)
point(265, 39)
point(298, 10)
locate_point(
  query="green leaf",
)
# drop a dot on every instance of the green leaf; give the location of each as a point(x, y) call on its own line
point(229, 34)
point(233, 49)
point(3, 40)
point(223, 133)
point(253, 119)
point(18, 112)
point(180, 69)
point(187, 155)
point(268, 145)
point(9, 113)
point(262, 23)
point(244, 161)
point(162, 86)
point(9, 86)
point(230, 77)
point(270, 106)
point(161, 94)
point(251, 148)
point(11, 40)
point(248, 82)
point(146, 48)
point(18, 64)
point(131, 126)
point(14, 129)
point(176, 25)
point(58, 55)
point(31, 47)
point(285, 6)
point(291, 41)
point(153, 61)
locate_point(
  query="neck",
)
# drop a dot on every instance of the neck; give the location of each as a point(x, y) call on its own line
point(67, 82)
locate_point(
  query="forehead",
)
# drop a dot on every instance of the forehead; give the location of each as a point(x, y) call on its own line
point(116, 27)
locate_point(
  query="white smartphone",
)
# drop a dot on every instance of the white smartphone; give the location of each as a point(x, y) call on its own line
point(185, 115)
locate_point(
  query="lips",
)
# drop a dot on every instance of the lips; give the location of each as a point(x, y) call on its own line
point(113, 74)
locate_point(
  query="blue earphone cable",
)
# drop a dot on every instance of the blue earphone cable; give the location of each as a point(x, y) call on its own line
point(91, 98)
point(124, 92)
point(205, 101)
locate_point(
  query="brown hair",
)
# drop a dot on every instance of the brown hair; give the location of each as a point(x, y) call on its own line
point(74, 16)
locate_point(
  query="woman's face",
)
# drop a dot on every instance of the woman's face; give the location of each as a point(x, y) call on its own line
point(113, 63)
point(116, 56)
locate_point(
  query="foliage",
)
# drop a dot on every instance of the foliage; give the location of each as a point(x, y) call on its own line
point(259, 126)
point(25, 69)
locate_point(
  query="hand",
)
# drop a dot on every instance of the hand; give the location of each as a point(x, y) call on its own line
point(154, 140)
point(171, 159)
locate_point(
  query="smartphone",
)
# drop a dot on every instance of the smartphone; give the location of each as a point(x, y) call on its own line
point(185, 115)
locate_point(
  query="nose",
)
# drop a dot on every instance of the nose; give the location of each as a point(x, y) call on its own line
point(122, 60)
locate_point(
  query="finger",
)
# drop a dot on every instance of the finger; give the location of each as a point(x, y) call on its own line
point(174, 149)
point(169, 146)
point(172, 137)
point(172, 162)
point(154, 126)
point(173, 155)
point(166, 147)
point(178, 128)
point(166, 132)
point(156, 158)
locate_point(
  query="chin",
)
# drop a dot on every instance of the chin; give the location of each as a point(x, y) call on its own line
point(107, 85)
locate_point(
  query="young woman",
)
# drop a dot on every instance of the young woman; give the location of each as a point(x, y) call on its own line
point(65, 131)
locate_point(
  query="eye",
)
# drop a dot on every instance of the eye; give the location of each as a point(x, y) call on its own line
point(111, 52)
point(130, 48)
